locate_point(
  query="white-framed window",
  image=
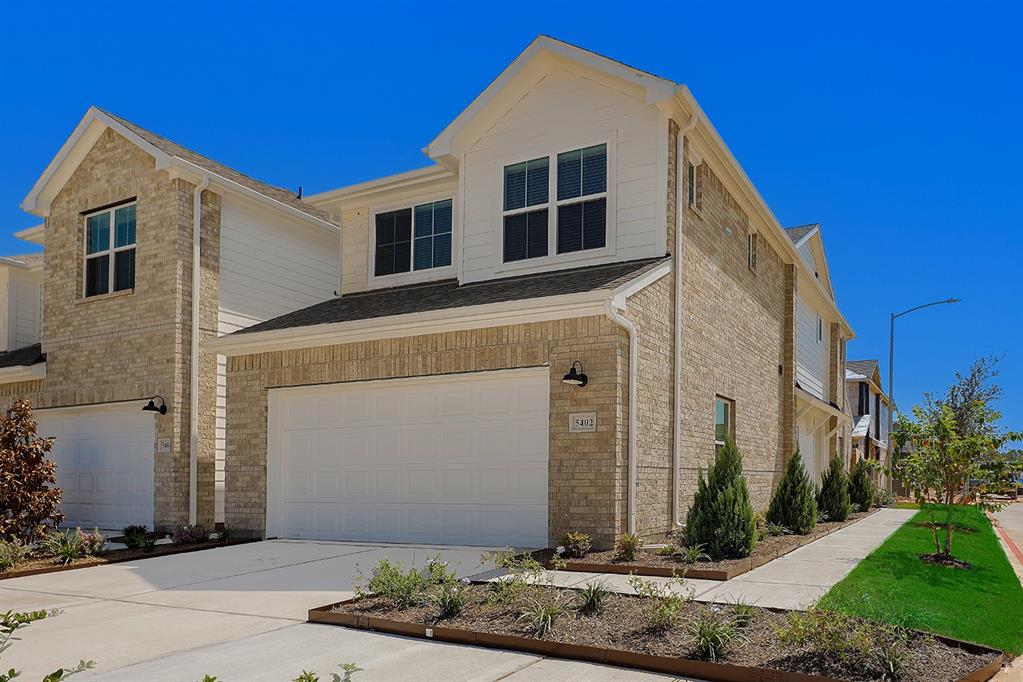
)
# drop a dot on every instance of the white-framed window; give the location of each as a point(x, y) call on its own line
point(751, 251)
point(724, 420)
point(693, 184)
point(413, 238)
point(109, 250)
point(579, 211)
point(820, 329)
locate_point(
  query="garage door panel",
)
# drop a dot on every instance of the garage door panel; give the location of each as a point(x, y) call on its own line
point(458, 460)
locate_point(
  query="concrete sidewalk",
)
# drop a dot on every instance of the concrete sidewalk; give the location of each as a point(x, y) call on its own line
point(793, 581)
point(1010, 521)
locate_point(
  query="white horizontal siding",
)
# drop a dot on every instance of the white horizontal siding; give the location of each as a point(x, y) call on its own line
point(811, 355)
point(27, 307)
point(563, 111)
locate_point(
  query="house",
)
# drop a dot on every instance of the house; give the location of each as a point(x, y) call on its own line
point(872, 411)
point(553, 326)
point(823, 426)
point(107, 331)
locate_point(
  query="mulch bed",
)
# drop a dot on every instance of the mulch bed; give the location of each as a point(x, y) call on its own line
point(652, 564)
point(622, 626)
point(34, 565)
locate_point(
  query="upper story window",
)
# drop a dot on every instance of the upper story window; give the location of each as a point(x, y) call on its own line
point(820, 329)
point(110, 250)
point(580, 204)
point(693, 185)
point(751, 251)
point(724, 420)
point(416, 238)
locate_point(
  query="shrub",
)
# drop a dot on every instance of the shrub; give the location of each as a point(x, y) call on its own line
point(541, 615)
point(190, 535)
point(66, 546)
point(690, 555)
point(403, 588)
point(870, 648)
point(794, 503)
point(861, 488)
point(884, 497)
point(627, 545)
point(147, 543)
point(225, 533)
point(593, 596)
point(448, 598)
point(94, 542)
point(667, 600)
point(28, 498)
point(11, 552)
point(721, 518)
point(132, 535)
point(576, 544)
point(741, 612)
point(667, 550)
point(833, 498)
point(711, 633)
point(523, 572)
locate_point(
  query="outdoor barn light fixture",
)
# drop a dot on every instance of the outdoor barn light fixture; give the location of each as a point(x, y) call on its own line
point(576, 378)
point(156, 404)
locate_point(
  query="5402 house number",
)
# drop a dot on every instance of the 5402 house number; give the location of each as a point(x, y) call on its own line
point(582, 422)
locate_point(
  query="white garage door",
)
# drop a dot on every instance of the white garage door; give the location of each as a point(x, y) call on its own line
point(454, 460)
point(104, 457)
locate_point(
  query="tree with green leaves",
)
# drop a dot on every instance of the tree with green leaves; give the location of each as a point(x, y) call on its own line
point(721, 518)
point(833, 498)
point(794, 503)
point(950, 451)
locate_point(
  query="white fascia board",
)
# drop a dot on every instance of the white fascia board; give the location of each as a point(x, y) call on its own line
point(813, 402)
point(35, 234)
point(716, 146)
point(808, 236)
point(387, 183)
point(10, 375)
point(619, 295)
point(415, 324)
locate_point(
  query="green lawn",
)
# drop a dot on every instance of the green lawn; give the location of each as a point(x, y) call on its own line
point(983, 604)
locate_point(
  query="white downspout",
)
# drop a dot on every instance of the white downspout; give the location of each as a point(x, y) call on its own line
point(680, 209)
point(193, 412)
point(630, 328)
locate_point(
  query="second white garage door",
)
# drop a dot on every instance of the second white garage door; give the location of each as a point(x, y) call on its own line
point(460, 459)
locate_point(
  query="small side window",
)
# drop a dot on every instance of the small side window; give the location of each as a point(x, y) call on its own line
point(751, 251)
point(724, 420)
point(820, 329)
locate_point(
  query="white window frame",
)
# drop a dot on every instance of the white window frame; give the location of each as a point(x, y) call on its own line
point(553, 258)
point(820, 329)
point(751, 250)
point(110, 251)
point(413, 276)
point(729, 419)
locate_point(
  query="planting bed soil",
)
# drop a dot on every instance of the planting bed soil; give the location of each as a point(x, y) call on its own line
point(652, 564)
point(34, 565)
point(620, 634)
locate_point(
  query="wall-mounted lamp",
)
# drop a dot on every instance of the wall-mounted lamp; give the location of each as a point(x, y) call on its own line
point(576, 378)
point(156, 404)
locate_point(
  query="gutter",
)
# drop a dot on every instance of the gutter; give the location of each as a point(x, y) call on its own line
point(193, 413)
point(630, 329)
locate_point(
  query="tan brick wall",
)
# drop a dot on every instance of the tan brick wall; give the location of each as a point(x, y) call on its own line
point(587, 470)
point(733, 341)
point(128, 345)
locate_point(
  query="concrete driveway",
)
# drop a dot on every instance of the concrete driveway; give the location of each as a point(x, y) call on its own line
point(238, 613)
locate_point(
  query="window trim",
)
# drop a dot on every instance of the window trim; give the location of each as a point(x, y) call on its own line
point(820, 329)
point(752, 247)
point(413, 276)
point(553, 259)
point(729, 418)
point(110, 251)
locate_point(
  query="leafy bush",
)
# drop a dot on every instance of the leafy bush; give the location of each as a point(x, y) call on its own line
point(721, 518)
point(29, 500)
point(794, 503)
point(147, 543)
point(871, 648)
point(593, 596)
point(861, 488)
point(94, 542)
point(132, 535)
point(833, 498)
point(667, 600)
point(523, 572)
point(712, 633)
point(690, 555)
point(403, 588)
point(576, 544)
point(190, 535)
point(627, 545)
point(66, 546)
point(225, 533)
point(541, 615)
point(884, 497)
point(448, 598)
point(11, 622)
point(667, 550)
point(11, 552)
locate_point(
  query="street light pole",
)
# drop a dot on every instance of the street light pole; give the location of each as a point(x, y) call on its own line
point(891, 363)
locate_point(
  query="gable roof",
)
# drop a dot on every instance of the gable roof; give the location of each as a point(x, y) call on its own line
point(863, 367)
point(168, 154)
point(799, 233)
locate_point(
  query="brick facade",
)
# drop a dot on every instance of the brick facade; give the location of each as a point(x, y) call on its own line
point(129, 345)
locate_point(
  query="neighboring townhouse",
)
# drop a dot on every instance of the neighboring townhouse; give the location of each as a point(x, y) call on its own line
point(871, 409)
point(823, 425)
point(117, 364)
point(550, 328)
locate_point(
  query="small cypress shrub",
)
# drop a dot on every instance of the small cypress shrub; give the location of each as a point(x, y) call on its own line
point(794, 503)
point(833, 498)
point(861, 488)
point(721, 518)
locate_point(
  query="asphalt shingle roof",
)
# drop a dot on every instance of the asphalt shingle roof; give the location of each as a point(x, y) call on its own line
point(285, 196)
point(864, 367)
point(23, 357)
point(798, 232)
point(447, 294)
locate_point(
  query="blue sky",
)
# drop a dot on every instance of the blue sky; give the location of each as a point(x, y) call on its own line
point(897, 126)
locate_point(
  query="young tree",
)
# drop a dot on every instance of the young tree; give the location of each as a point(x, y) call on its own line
point(28, 498)
point(794, 503)
point(950, 451)
point(861, 488)
point(833, 498)
point(721, 518)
